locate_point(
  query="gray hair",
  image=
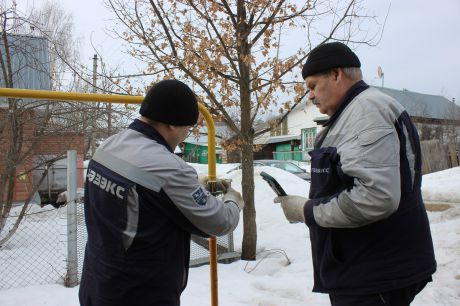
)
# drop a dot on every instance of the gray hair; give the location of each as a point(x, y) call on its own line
point(353, 73)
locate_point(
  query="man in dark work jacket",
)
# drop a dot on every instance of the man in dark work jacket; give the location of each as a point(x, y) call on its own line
point(142, 203)
point(369, 231)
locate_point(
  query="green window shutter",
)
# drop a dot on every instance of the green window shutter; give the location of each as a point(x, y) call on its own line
point(308, 140)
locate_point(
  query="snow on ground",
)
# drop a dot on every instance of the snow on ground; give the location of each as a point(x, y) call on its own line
point(442, 186)
point(282, 274)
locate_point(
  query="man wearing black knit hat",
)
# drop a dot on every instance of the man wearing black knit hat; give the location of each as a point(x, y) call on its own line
point(142, 203)
point(369, 231)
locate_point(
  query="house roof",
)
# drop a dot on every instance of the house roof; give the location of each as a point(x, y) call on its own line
point(276, 139)
point(201, 140)
point(417, 104)
point(423, 105)
point(222, 131)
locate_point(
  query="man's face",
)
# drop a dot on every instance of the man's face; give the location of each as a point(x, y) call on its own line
point(183, 132)
point(324, 92)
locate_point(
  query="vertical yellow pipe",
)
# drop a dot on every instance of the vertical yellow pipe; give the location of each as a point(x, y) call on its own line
point(124, 99)
point(212, 178)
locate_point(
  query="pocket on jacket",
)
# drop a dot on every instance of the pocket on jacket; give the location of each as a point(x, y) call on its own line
point(379, 147)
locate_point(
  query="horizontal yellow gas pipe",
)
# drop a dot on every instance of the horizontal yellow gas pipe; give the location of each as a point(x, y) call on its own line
point(125, 99)
point(69, 96)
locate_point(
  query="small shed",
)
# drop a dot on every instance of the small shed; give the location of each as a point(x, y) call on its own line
point(195, 150)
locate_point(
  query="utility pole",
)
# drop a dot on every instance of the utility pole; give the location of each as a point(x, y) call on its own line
point(94, 72)
point(92, 143)
point(109, 105)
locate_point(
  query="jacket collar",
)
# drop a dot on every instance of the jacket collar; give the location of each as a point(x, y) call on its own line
point(150, 132)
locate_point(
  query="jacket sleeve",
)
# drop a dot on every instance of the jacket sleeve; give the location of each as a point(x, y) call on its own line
point(208, 213)
point(370, 155)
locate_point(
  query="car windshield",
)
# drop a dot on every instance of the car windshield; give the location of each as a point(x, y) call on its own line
point(288, 167)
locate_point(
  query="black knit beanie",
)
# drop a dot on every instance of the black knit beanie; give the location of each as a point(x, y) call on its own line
point(171, 102)
point(328, 56)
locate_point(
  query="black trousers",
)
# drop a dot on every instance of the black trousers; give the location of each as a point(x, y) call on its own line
point(398, 297)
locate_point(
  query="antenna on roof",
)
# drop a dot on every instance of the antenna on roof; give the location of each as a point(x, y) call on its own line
point(380, 74)
point(16, 24)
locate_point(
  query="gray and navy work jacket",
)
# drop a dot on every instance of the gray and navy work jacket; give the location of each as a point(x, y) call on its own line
point(368, 225)
point(142, 203)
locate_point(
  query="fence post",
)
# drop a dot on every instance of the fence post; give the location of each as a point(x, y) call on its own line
point(72, 260)
point(453, 155)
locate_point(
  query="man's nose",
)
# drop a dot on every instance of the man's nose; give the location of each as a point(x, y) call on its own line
point(311, 95)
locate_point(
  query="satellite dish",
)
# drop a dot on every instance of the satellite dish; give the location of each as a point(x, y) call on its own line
point(380, 72)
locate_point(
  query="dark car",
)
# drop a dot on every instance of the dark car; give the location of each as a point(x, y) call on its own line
point(281, 164)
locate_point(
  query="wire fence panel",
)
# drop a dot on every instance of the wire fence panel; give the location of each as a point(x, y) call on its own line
point(199, 247)
point(82, 236)
point(36, 253)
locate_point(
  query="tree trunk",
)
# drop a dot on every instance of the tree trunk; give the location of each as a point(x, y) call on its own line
point(7, 203)
point(14, 142)
point(21, 215)
point(249, 212)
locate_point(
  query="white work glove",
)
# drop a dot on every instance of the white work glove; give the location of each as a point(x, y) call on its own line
point(292, 207)
point(233, 196)
point(219, 184)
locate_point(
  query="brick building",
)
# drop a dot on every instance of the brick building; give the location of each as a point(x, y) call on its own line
point(36, 148)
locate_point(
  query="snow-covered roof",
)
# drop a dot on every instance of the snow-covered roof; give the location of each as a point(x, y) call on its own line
point(276, 139)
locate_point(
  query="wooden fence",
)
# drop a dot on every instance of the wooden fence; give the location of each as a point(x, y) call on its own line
point(437, 156)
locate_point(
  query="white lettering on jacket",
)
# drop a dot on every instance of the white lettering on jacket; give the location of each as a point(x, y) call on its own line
point(105, 184)
point(320, 170)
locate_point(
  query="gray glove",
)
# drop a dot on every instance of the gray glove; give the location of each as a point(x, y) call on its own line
point(219, 184)
point(292, 207)
point(233, 196)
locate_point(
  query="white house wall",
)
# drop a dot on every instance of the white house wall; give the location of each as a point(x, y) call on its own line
point(302, 118)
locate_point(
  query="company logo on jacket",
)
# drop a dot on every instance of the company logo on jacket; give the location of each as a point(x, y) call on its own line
point(320, 170)
point(105, 184)
point(200, 196)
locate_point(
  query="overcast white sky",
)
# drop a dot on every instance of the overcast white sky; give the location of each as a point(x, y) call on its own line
point(419, 49)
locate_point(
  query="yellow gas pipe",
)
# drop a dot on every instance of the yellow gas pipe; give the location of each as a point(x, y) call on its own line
point(125, 99)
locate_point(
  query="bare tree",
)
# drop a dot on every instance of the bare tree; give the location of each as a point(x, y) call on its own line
point(233, 52)
point(26, 62)
point(38, 51)
point(14, 61)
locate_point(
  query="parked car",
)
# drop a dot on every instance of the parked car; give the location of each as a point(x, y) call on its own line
point(55, 181)
point(281, 164)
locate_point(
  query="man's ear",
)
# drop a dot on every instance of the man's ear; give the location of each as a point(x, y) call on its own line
point(337, 74)
point(171, 127)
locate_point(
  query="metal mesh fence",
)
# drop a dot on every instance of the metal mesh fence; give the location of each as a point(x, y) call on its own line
point(199, 249)
point(81, 237)
point(37, 253)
